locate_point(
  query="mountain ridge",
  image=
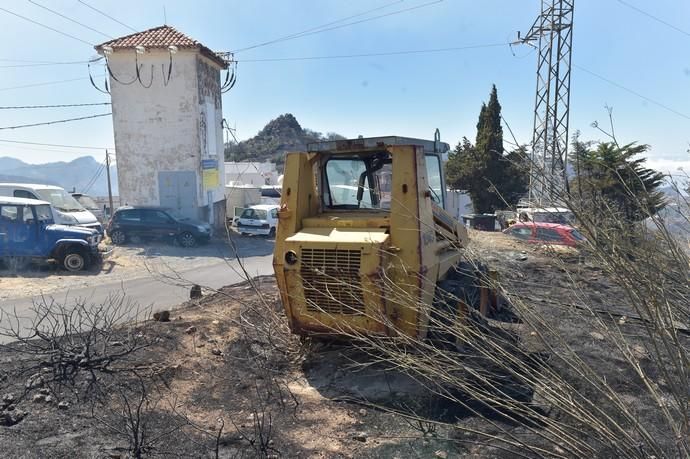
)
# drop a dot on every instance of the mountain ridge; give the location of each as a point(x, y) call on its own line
point(76, 174)
point(277, 137)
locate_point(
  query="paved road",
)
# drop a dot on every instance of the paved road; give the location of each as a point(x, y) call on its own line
point(158, 291)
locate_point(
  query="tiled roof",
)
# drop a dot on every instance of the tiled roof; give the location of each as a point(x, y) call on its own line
point(160, 37)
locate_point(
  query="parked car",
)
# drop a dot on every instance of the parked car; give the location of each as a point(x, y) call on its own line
point(29, 233)
point(136, 223)
point(261, 219)
point(66, 209)
point(89, 204)
point(546, 233)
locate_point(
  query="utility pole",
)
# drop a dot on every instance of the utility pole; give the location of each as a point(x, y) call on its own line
point(553, 32)
point(110, 190)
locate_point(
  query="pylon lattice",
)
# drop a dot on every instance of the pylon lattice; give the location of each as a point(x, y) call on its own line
point(553, 32)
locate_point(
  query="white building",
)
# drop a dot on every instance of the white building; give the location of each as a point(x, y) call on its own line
point(250, 173)
point(167, 118)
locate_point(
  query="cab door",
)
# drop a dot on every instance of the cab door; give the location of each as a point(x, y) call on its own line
point(26, 234)
point(18, 231)
point(7, 216)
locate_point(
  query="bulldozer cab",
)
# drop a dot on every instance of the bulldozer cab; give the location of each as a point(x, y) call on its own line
point(358, 173)
point(363, 237)
point(364, 180)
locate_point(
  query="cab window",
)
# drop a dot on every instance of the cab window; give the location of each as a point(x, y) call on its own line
point(358, 183)
point(343, 177)
point(43, 213)
point(24, 194)
point(433, 173)
point(27, 214)
point(9, 214)
point(274, 213)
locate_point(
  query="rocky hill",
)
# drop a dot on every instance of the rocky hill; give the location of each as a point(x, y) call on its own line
point(279, 136)
point(75, 174)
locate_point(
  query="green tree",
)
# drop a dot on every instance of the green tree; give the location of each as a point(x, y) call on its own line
point(614, 180)
point(492, 179)
point(515, 181)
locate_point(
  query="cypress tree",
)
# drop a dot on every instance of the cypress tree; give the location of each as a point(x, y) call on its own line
point(482, 169)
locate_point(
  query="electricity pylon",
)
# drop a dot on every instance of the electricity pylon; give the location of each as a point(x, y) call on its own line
point(553, 33)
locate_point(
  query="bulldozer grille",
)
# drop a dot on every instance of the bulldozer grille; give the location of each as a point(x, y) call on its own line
point(331, 281)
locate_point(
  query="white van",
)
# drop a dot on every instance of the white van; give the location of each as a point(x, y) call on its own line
point(66, 209)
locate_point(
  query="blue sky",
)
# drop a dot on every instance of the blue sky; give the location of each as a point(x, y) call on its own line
point(407, 95)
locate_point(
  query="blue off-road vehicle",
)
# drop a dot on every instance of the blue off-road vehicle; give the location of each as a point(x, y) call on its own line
point(28, 233)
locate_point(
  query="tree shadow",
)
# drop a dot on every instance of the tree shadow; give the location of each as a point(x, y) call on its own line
point(237, 246)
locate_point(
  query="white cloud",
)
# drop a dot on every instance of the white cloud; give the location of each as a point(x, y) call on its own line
point(670, 166)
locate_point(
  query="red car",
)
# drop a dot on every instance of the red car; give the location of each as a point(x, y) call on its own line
point(546, 233)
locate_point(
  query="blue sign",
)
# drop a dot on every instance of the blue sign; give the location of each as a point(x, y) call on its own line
point(209, 164)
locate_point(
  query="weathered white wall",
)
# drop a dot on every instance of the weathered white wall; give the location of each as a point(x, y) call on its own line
point(211, 117)
point(159, 128)
point(250, 173)
point(458, 204)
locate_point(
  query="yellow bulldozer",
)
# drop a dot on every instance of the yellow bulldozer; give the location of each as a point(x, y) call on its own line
point(364, 242)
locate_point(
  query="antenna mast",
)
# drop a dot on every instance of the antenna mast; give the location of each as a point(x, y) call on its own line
point(553, 33)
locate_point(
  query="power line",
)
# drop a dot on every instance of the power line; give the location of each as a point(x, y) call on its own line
point(22, 107)
point(655, 18)
point(392, 53)
point(55, 145)
point(47, 83)
point(21, 60)
point(46, 27)
point(42, 64)
point(55, 122)
point(320, 30)
point(70, 19)
point(631, 91)
point(95, 177)
point(108, 16)
point(319, 27)
point(38, 149)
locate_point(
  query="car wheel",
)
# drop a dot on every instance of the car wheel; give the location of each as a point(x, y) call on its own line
point(118, 237)
point(74, 261)
point(187, 240)
point(272, 232)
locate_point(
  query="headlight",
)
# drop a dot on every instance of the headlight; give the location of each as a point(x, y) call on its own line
point(67, 218)
point(290, 257)
point(203, 229)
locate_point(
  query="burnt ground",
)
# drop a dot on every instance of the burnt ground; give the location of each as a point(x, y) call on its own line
point(224, 378)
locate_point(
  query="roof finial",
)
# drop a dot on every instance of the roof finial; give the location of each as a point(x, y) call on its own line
point(165, 17)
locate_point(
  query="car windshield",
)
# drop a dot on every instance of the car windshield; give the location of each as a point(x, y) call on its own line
point(577, 235)
point(60, 199)
point(87, 202)
point(254, 214)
